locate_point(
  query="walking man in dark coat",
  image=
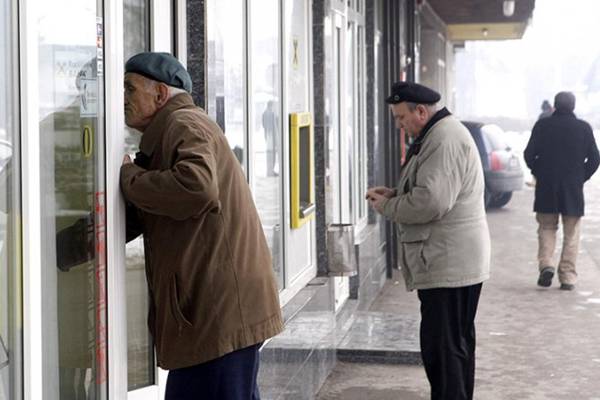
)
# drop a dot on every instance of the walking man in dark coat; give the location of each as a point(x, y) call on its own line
point(562, 155)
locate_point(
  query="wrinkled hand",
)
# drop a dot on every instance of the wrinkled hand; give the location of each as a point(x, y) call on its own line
point(126, 159)
point(378, 195)
point(381, 190)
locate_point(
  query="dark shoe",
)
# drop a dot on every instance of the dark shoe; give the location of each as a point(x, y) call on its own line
point(546, 275)
point(567, 286)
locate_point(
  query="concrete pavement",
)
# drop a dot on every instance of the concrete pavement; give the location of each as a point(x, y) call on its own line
point(533, 343)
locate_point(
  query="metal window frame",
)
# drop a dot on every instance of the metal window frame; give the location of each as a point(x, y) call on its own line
point(14, 247)
point(31, 202)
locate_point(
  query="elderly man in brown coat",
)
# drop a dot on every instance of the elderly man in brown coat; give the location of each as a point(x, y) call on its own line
point(213, 294)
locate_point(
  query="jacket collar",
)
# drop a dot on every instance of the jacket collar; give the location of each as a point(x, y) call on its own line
point(415, 147)
point(443, 113)
point(566, 113)
point(155, 130)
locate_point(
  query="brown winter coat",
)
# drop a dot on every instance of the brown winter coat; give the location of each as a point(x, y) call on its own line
point(207, 262)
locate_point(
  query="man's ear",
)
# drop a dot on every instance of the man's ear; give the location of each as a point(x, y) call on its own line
point(423, 111)
point(162, 94)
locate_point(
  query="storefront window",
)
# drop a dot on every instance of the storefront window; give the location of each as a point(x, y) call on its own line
point(10, 266)
point(266, 123)
point(225, 70)
point(73, 199)
point(140, 348)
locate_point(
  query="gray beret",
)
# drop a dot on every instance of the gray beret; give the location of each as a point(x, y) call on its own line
point(413, 93)
point(162, 67)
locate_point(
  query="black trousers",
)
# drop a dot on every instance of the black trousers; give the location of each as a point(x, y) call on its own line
point(231, 377)
point(448, 340)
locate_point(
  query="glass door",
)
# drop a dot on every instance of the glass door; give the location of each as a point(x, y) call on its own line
point(225, 103)
point(72, 187)
point(141, 365)
point(265, 122)
point(147, 26)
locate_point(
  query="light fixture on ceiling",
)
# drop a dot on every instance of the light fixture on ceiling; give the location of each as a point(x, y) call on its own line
point(508, 8)
point(485, 32)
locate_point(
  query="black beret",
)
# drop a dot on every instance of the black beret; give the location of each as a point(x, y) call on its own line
point(162, 67)
point(413, 93)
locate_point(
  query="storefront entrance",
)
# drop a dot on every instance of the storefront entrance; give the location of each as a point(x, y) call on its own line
point(83, 333)
point(72, 188)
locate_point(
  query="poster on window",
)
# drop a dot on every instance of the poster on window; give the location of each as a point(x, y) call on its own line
point(69, 67)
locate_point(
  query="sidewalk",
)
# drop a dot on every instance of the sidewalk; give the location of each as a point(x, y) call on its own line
point(533, 343)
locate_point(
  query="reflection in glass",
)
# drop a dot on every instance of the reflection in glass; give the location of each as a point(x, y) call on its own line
point(225, 69)
point(10, 267)
point(73, 209)
point(265, 126)
point(140, 348)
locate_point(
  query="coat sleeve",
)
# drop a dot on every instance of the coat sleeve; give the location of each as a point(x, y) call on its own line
point(592, 156)
point(437, 186)
point(186, 189)
point(531, 151)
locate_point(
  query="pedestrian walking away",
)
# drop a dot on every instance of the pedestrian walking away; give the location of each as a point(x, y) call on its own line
point(438, 207)
point(213, 296)
point(562, 155)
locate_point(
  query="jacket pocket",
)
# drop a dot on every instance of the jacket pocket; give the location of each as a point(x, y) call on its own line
point(413, 249)
point(182, 321)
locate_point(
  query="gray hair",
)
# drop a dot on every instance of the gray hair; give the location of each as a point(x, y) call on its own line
point(432, 108)
point(173, 91)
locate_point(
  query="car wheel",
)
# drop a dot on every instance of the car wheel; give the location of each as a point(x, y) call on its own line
point(500, 200)
point(487, 197)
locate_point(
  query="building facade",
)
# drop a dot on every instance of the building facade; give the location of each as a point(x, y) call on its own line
point(298, 88)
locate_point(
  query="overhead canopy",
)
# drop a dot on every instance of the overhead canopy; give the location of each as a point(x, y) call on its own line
point(483, 19)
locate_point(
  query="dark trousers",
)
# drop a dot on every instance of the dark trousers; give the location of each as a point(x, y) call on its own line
point(231, 377)
point(448, 340)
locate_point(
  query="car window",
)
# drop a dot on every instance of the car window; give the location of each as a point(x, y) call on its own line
point(494, 136)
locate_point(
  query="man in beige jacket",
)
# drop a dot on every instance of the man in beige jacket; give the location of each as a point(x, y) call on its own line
point(443, 234)
point(213, 296)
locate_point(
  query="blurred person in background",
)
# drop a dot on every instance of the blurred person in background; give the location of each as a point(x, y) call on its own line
point(547, 110)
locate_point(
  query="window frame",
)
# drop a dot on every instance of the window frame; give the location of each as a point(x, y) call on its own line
point(14, 342)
